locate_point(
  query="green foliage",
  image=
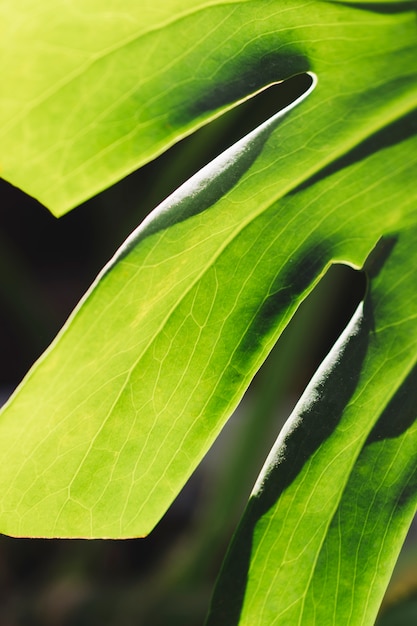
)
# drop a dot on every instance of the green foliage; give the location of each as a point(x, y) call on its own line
point(107, 427)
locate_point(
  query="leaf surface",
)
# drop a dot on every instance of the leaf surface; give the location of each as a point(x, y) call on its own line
point(111, 422)
point(329, 513)
point(93, 91)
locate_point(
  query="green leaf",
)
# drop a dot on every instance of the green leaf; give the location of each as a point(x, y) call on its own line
point(93, 91)
point(111, 422)
point(328, 515)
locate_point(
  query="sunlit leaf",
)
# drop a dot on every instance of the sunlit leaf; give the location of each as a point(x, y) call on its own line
point(111, 422)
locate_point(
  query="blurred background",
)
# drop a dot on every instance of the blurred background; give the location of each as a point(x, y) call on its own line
point(167, 578)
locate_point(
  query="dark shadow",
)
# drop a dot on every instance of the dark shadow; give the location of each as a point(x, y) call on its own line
point(400, 414)
point(385, 8)
point(286, 289)
point(379, 255)
point(390, 135)
point(374, 263)
point(255, 71)
point(306, 436)
point(213, 181)
point(399, 417)
point(245, 117)
point(307, 433)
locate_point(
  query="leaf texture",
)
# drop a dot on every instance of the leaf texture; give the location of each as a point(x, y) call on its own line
point(110, 423)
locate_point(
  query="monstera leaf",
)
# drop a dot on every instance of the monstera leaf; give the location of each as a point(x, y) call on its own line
point(110, 423)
